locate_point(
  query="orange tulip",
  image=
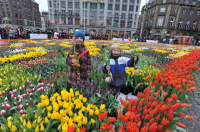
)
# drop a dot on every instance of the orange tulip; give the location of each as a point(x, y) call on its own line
point(181, 125)
point(189, 117)
point(104, 126)
point(112, 119)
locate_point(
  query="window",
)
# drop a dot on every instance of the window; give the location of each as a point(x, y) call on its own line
point(109, 22)
point(164, 1)
point(70, 5)
point(151, 22)
point(117, 7)
point(63, 20)
point(70, 21)
point(77, 5)
point(194, 2)
point(50, 11)
point(19, 9)
point(117, 0)
point(171, 22)
point(124, 0)
point(123, 15)
point(93, 13)
point(63, 5)
point(191, 12)
point(173, 9)
point(63, 12)
point(162, 9)
point(186, 1)
point(129, 24)
point(102, 5)
point(7, 7)
point(138, 1)
point(194, 24)
point(85, 4)
point(116, 15)
point(160, 22)
point(136, 16)
point(198, 12)
point(110, 6)
point(93, 5)
point(13, 1)
point(180, 23)
point(153, 11)
point(183, 11)
point(131, 7)
point(50, 3)
point(3, 7)
point(109, 14)
point(146, 23)
point(136, 9)
point(132, 1)
point(187, 24)
point(69, 12)
point(101, 13)
point(77, 12)
point(122, 24)
point(130, 16)
point(123, 7)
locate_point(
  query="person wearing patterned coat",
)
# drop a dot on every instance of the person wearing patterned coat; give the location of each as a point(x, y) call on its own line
point(84, 61)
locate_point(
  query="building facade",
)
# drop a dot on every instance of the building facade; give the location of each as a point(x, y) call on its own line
point(166, 18)
point(45, 20)
point(113, 17)
point(20, 13)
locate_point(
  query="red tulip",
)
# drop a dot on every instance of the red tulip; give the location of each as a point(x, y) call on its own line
point(3, 92)
point(3, 106)
point(27, 104)
point(14, 91)
point(20, 89)
point(10, 93)
point(21, 112)
point(3, 112)
point(189, 117)
point(181, 125)
point(24, 87)
point(52, 85)
point(20, 107)
point(42, 88)
point(5, 99)
point(30, 99)
point(8, 106)
point(20, 101)
point(12, 96)
point(48, 85)
point(15, 104)
point(31, 94)
point(31, 86)
point(28, 82)
point(33, 89)
point(34, 103)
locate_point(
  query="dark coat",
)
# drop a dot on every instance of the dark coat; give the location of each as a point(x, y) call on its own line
point(85, 62)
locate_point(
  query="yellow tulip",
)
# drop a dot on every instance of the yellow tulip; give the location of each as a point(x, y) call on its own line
point(93, 121)
point(29, 125)
point(37, 129)
point(41, 127)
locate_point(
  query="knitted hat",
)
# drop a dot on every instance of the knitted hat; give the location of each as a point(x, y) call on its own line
point(80, 34)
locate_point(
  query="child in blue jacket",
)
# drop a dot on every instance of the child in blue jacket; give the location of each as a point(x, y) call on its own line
point(117, 67)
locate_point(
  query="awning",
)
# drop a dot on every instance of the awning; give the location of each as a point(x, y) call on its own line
point(6, 19)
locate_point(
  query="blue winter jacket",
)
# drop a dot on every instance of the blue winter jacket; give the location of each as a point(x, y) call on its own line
point(117, 68)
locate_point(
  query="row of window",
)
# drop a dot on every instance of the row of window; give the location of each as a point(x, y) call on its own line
point(183, 11)
point(94, 6)
point(94, 13)
point(94, 22)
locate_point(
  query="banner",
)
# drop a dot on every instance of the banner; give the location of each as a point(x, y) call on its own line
point(184, 40)
point(38, 36)
point(118, 39)
point(87, 37)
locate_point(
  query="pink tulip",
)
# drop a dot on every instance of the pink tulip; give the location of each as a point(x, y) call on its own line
point(14, 91)
point(48, 85)
point(19, 102)
point(27, 90)
point(33, 90)
point(8, 106)
point(27, 104)
point(52, 85)
point(31, 94)
point(10, 93)
point(24, 87)
point(15, 98)
point(20, 107)
point(15, 104)
point(42, 88)
point(3, 92)
point(20, 89)
point(3, 106)
point(28, 82)
point(31, 99)
point(34, 103)
point(42, 84)
point(21, 112)
point(26, 100)
point(31, 86)
point(38, 90)
point(47, 94)
point(12, 96)
point(5, 99)
point(3, 112)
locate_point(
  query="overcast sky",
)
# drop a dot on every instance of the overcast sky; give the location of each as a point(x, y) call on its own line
point(44, 6)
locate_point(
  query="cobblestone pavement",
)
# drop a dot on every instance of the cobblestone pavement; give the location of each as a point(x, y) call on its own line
point(194, 99)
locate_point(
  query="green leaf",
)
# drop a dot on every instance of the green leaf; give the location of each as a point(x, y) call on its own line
point(13, 108)
point(88, 126)
point(97, 124)
point(181, 129)
point(94, 131)
point(109, 110)
point(99, 95)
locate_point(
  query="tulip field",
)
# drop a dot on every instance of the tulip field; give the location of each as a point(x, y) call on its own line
point(35, 95)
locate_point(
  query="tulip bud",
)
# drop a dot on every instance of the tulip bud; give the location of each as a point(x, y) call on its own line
point(31, 94)
point(31, 99)
point(15, 98)
point(24, 87)
point(12, 96)
point(27, 81)
point(15, 104)
point(8, 106)
point(20, 107)
point(48, 85)
point(5, 99)
point(3, 92)
point(3, 112)
point(34, 103)
point(14, 91)
point(42, 84)
point(3, 106)
point(10, 93)
point(27, 104)
point(52, 85)
point(31, 86)
point(42, 88)
point(21, 112)
point(19, 102)
point(38, 90)
point(33, 90)
point(26, 101)
point(20, 89)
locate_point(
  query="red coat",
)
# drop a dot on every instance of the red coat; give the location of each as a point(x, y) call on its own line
point(85, 62)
